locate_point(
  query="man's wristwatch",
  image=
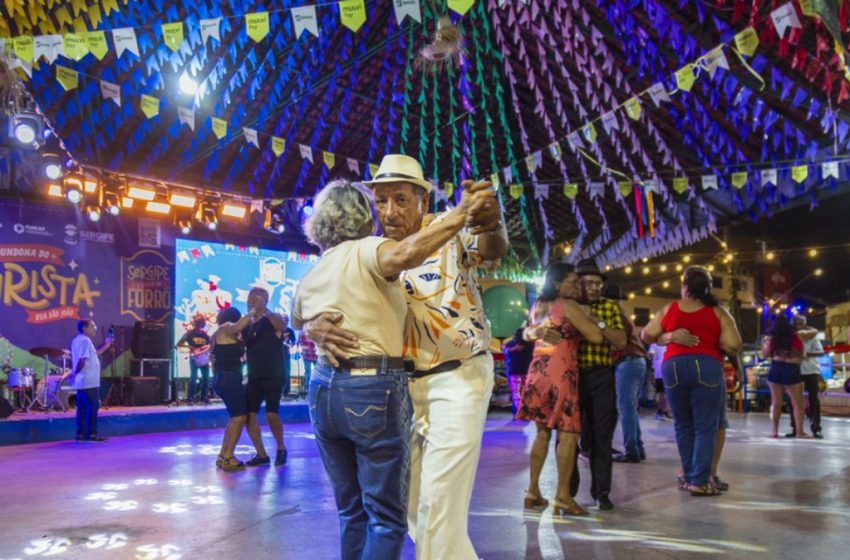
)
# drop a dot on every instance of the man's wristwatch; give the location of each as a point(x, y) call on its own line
point(602, 326)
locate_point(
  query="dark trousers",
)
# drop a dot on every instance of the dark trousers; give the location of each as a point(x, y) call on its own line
point(598, 401)
point(193, 380)
point(287, 375)
point(88, 403)
point(811, 385)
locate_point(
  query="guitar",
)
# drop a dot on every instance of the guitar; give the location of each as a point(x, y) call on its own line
point(200, 356)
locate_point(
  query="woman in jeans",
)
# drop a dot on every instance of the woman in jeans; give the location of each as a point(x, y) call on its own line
point(785, 350)
point(360, 410)
point(697, 331)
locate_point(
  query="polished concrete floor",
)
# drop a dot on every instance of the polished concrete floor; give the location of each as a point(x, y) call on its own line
point(158, 496)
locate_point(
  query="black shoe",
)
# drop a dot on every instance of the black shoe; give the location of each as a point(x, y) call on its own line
point(604, 504)
point(642, 455)
point(280, 458)
point(791, 434)
point(818, 434)
point(257, 461)
point(81, 439)
point(625, 458)
point(96, 439)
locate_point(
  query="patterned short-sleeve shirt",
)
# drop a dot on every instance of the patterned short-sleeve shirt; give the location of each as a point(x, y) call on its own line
point(596, 355)
point(445, 315)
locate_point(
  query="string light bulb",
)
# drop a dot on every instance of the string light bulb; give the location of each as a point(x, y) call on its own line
point(631, 295)
point(663, 268)
point(813, 253)
point(678, 268)
point(770, 256)
point(646, 270)
point(686, 259)
point(628, 270)
point(666, 284)
point(818, 272)
point(647, 290)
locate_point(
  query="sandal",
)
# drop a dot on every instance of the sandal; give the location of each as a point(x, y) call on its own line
point(230, 464)
point(564, 508)
point(703, 491)
point(716, 482)
point(534, 502)
point(683, 484)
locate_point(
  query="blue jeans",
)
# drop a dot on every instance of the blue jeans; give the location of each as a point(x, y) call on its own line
point(193, 380)
point(362, 428)
point(630, 374)
point(693, 385)
point(88, 403)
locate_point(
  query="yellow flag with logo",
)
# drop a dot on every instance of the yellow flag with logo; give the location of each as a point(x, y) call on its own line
point(172, 35)
point(680, 184)
point(461, 6)
point(571, 190)
point(67, 78)
point(633, 108)
point(23, 46)
point(685, 77)
point(799, 173)
point(747, 41)
point(257, 26)
point(76, 45)
point(96, 42)
point(219, 127)
point(150, 106)
point(516, 191)
point(352, 13)
point(329, 159)
point(625, 188)
point(278, 144)
point(739, 179)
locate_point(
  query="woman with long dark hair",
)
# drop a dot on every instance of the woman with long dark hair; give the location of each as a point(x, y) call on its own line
point(550, 398)
point(785, 350)
point(697, 332)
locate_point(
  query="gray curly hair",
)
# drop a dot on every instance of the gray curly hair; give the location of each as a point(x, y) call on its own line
point(342, 211)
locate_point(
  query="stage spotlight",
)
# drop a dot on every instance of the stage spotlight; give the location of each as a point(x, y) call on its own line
point(307, 210)
point(26, 128)
point(158, 207)
point(233, 210)
point(182, 199)
point(54, 189)
point(185, 226)
point(140, 192)
point(74, 190)
point(93, 213)
point(112, 203)
point(187, 84)
point(207, 215)
point(52, 165)
point(273, 221)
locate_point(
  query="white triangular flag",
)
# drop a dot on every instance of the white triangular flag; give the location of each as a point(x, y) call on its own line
point(597, 188)
point(715, 59)
point(25, 66)
point(768, 176)
point(251, 136)
point(709, 182)
point(306, 152)
point(404, 8)
point(187, 117)
point(353, 165)
point(257, 206)
point(509, 174)
point(609, 122)
point(651, 185)
point(111, 91)
point(830, 169)
point(210, 28)
point(125, 40)
point(541, 192)
point(784, 17)
point(48, 46)
point(305, 18)
point(658, 93)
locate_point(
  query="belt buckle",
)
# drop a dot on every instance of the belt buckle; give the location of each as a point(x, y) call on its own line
point(363, 371)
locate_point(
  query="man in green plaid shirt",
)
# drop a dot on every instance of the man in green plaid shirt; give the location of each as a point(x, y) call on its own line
point(597, 393)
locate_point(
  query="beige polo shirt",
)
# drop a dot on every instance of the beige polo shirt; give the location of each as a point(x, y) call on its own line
point(347, 280)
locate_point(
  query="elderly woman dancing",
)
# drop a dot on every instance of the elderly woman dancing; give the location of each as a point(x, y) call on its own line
point(360, 410)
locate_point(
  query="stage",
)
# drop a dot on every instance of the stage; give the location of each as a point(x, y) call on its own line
point(159, 496)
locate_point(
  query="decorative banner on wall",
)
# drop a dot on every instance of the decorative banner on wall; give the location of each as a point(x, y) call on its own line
point(146, 279)
point(352, 14)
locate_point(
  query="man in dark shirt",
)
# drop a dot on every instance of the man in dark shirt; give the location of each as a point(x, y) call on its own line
point(198, 342)
point(265, 375)
point(518, 355)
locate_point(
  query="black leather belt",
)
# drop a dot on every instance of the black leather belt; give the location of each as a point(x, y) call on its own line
point(369, 362)
point(442, 368)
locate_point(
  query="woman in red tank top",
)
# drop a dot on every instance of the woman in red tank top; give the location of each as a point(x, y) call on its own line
point(697, 332)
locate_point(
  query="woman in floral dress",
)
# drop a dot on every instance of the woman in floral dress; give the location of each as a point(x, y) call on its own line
point(550, 399)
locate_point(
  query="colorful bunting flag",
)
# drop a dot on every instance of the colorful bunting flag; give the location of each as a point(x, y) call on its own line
point(508, 174)
point(23, 46)
point(210, 28)
point(739, 179)
point(541, 192)
point(305, 18)
point(715, 59)
point(530, 163)
point(404, 8)
point(747, 41)
point(555, 151)
point(352, 14)
point(680, 184)
point(571, 190)
point(76, 45)
point(625, 188)
point(257, 25)
point(149, 106)
point(460, 6)
point(353, 165)
point(494, 179)
point(67, 78)
point(830, 169)
point(111, 91)
point(609, 122)
point(709, 182)
point(799, 173)
point(658, 93)
point(219, 127)
point(96, 42)
point(251, 136)
point(187, 117)
point(172, 35)
point(278, 145)
point(449, 189)
point(596, 189)
point(329, 159)
point(515, 191)
point(589, 132)
point(633, 108)
point(49, 47)
point(125, 40)
point(306, 152)
point(685, 77)
point(768, 176)
point(784, 17)
point(373, 169)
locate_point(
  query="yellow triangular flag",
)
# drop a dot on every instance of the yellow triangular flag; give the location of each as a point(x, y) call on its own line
point(461, 6)
point(219, 127)
point(571, 190)
point(806, 7)
point(150, 106)
point(172, 35)
point(799, 173)
point(633, 108)
point(589, 133)
point(352, 13)
point(23, 46)
point(278, 144)
point(494, 178)
point(685, 77)
point(329, 159)
point(257, 25)
point(76, 45)
point(625, 187)
point(516, 191)
point(449, 189)
point(67, 78)
point(680, 184)
point(747, 41)
point(530, 163)
point(96, 42)
point(373, 169)
point(739, 179)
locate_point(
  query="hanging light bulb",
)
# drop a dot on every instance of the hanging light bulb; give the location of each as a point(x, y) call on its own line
point(628, 270)
point(813, 253)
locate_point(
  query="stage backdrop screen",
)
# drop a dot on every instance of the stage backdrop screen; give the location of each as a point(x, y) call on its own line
point(211, 276)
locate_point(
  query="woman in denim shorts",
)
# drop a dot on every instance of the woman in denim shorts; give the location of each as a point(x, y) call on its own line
point(785, 350)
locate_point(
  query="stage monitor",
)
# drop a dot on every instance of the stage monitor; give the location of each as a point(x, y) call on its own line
point(211, 276)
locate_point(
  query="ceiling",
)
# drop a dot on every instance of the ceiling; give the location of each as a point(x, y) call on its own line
point(534, 71)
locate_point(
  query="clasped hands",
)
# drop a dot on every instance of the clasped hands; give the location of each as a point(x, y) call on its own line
point(481, 207)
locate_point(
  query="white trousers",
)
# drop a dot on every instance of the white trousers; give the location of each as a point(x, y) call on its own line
point(449, 411)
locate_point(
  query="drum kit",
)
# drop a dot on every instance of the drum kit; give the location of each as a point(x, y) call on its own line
point(53, 390)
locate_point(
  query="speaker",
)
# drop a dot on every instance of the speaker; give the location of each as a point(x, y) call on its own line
point(150, 340)
point(6, 408)
point(159, 370)
point(144, 391)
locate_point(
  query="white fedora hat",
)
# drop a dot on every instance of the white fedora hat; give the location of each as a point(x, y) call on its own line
point(397, 168)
